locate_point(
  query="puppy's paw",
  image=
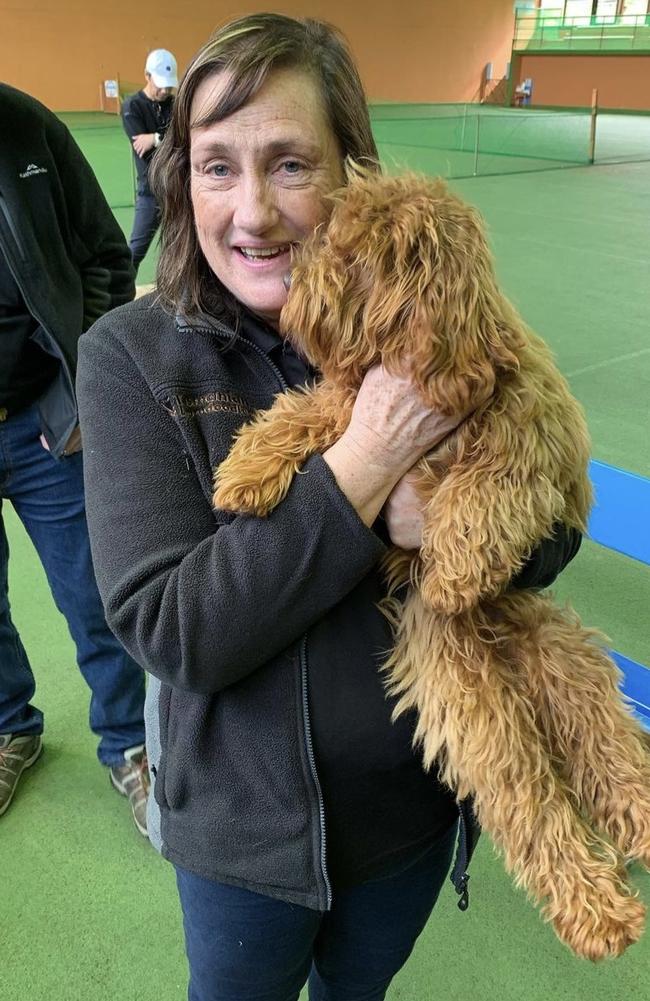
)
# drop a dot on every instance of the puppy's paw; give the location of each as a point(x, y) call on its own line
point(240, 499)
point(251, 488)
point(602, 929)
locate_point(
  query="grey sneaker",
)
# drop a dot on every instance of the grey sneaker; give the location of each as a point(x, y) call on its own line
point(16, 754)
point(132, 779)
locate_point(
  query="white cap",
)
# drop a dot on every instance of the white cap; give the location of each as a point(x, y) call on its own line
point(162, 67)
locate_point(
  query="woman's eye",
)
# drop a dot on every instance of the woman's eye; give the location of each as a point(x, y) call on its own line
point(219, 170)
point(292, 166)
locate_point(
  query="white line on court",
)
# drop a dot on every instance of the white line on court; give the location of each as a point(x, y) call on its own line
point(525, 237)
point(606, 363)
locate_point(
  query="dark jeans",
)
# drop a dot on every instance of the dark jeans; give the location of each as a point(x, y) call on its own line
point(145, 224)
point(243, 946)
point(48, 497)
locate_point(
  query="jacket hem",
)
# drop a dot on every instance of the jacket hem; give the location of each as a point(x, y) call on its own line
point(303, 899)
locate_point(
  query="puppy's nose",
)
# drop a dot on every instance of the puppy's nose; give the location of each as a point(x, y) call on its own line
point(287, 280)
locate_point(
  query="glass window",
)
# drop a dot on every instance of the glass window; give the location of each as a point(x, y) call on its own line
point(606, 11)
point(578, 13)
point(635, 8)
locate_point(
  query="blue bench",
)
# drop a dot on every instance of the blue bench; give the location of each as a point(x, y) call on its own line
point(620, 520)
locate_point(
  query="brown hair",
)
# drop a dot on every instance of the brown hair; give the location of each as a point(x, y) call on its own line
point(250, 47)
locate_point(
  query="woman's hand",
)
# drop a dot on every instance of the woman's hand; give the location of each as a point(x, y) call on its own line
point(391, 426)
point(404, 513)
point(390, 429)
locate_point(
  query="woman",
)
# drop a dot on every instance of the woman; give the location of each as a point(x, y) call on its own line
point(308, 842)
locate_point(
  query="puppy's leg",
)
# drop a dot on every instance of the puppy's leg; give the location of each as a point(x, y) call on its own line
point(480, 523)
point(269, 451)
point(600, 748)
point(476, 720)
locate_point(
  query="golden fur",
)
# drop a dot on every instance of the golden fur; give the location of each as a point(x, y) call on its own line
point(518, 704)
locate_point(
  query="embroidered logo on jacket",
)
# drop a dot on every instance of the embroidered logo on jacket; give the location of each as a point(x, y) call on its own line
point(33, 169)
point(208, 403)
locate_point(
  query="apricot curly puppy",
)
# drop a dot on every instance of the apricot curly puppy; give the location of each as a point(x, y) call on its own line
point(518, 703)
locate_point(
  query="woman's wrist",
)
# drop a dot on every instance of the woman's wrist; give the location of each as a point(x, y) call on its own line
point(364, 478)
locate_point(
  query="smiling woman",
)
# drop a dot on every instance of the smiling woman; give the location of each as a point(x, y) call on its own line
point(308, 840)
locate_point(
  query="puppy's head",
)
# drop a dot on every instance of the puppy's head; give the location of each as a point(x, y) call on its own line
point(401, 274)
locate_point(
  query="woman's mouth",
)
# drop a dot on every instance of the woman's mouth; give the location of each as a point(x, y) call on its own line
point(261, 255)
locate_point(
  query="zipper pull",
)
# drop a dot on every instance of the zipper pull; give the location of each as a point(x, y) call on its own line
point(463, 890)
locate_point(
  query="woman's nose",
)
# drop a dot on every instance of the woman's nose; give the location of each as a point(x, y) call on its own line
point(256, 211)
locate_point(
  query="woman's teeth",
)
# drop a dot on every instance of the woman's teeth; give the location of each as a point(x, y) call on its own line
point(260, 253)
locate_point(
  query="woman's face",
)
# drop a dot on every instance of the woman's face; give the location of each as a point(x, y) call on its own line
point(258, 183)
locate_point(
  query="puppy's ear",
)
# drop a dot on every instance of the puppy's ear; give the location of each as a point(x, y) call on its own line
point(324, 312)
point(456, 370)
point(316, 301)
point(467, 333)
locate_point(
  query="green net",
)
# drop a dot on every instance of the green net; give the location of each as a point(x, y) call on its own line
point(391, 111)
point(622, 138)
point(469, 140)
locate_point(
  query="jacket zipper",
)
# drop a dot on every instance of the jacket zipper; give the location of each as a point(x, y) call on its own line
point(312, 767)
point(12, 229)
point(225, 334)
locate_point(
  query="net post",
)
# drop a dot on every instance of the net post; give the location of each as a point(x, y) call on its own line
point(594, 119)
point(476, 144)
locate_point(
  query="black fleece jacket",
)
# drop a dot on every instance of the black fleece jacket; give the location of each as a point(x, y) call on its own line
point(61, 241)
point(245, 621)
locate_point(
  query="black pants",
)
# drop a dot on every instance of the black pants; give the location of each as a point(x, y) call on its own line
point(145, 224)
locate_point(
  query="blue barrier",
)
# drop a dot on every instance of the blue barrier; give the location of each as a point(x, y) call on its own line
point(620, 520)
point(636, 686)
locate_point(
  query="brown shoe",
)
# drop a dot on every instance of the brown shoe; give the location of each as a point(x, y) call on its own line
point(16, 754)
point(132, 780)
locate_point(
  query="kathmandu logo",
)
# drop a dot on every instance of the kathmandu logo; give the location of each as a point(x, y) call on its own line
point(32, 170)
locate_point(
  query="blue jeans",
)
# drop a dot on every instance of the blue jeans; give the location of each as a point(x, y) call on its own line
point(48, 497)
point(243, 946)
point(145, 223)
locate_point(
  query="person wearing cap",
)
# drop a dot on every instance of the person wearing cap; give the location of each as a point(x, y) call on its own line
point(145, 117)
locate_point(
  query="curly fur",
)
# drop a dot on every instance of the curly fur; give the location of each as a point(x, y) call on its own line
point(518, 704)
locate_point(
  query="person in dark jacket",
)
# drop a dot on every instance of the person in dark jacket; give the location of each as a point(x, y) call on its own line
point(308, 841)
point(63, 264)
point(145, 117)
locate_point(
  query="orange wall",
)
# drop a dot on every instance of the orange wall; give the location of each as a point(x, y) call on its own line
point(622, 81)
point(414, 50)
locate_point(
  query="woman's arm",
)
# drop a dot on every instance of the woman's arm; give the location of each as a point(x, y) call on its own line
point(198, 606)
point(549, 558)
